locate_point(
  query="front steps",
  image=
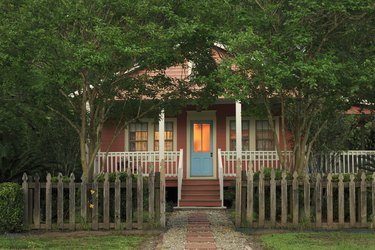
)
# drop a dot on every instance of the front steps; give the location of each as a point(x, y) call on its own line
point(200, 193)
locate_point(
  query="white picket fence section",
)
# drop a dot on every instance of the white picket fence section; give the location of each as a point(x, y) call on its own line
point(122, 161)
point(255, 159)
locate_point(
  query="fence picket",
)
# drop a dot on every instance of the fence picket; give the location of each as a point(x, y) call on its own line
point(363, 213)
point(284, 199)
point(151, 194)
point(140, 198)
point(117, 202)
point(106, 199)
point(295, 198)
point(318, 201)
point(25, 190)
point(261, 198)
point(72, 203)
point(329, 201)
point(95, 205)
point(129, 212)
point(352, 201)
point(341, 200)
point(60, 202)
point(373, 197)
point(306, 194)
point(49, 202)
point(37, 202)
point(273, 198)
point(250, 196)
point(83, 200)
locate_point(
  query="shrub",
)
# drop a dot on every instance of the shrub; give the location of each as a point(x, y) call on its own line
point(11, 209)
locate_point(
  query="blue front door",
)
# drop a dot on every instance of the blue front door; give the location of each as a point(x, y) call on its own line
point(201, 148)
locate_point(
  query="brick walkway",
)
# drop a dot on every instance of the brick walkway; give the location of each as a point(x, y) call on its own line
point(199, 233)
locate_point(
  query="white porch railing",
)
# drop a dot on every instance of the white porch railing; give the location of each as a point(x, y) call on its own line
point(350, 161)
point(255, 159)
point(122, 161)
point(180, 174)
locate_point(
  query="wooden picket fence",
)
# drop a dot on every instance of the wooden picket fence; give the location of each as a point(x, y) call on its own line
point(317, 202)
point(96, 201)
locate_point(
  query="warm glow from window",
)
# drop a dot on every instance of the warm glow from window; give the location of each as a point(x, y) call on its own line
point(202, 139)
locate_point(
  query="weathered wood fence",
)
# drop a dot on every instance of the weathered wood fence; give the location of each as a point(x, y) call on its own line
point(320, 202)
point(98, 205)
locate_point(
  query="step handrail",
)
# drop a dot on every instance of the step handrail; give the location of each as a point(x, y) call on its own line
point(180, 174)
point(221, 177)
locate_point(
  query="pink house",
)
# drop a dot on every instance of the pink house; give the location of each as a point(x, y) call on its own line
point(199, 149)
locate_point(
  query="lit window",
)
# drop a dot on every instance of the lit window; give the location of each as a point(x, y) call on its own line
point(264, 136)
point(138, 137)
point(245, 135)
point(202, 137)
point(168, 137)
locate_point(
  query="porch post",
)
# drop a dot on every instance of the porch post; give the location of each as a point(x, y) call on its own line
point(239, 164)
point(162, 169)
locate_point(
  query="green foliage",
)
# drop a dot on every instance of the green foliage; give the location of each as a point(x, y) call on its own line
point(11, 207)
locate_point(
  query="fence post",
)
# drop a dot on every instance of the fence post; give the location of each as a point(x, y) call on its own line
point(106, 201)
point(284, 199)
point(329, 201)
point(363, 200)
point(129, 211)
point(117, 202)
point(72, 202)
point(140, 198)
point(48, 202)
point(83, 200)
point(250, 196)
point(37, 202)
point(151, 195)
point(341, 201)
point(238, 194)
point(162, 193)
point(318, 201)
point(261, 198)
point(307, 197)
point(25, 190)
point(273, 198)
point(352, 200)
point(295, 198)
point(95, 209)
point(60, 202)
point(30, 198)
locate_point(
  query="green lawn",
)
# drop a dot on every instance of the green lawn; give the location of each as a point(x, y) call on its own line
point(84, 242)
point(319, 240)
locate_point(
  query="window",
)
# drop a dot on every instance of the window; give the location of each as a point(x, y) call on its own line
point(202, 137)
point(138, 136)
point(264, 136)
point(245, 135)
point(168, 137)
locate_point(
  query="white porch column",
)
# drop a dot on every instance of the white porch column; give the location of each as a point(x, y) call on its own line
point(239, 164)
point(162, 169)
point(238, 130)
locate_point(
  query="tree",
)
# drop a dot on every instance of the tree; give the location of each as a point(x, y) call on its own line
point(302, 57)
point(84, 60)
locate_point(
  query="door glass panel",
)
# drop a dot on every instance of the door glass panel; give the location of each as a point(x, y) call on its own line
point(197, 138)
point(206, 138)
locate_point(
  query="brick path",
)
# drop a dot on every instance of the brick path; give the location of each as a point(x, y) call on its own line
point(199, 233)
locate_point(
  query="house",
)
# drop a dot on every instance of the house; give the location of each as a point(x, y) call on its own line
point(199, 147)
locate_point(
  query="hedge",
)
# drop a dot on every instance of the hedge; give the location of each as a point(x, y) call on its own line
point(11, 207)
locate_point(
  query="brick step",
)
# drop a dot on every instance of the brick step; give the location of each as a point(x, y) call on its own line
point(200, 246)
point(200, 187)
point(200, 203)
point(199, 191)
point(200, 197)
point(200, 182)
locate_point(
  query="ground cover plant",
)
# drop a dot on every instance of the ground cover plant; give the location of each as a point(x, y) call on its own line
point(319, 240)
point(69, 242)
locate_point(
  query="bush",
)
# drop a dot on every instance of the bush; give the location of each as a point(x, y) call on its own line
point(11, 209)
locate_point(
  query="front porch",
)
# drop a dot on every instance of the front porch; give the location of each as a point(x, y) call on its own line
point(209, 192)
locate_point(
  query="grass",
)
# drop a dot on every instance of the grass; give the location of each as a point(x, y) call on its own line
point(84, 242)
point(319, 240)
